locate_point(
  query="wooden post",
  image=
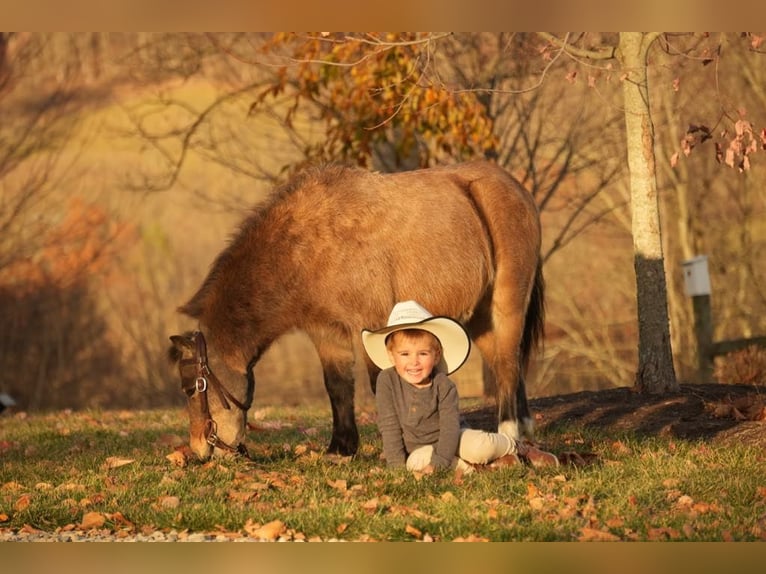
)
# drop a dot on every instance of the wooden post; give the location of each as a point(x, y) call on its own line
point(697, 284)
point(703, 332)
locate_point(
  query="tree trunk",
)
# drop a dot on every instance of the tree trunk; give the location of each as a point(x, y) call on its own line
point(655, 360)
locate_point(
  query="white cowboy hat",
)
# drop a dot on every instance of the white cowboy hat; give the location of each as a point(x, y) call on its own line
point(409, 315)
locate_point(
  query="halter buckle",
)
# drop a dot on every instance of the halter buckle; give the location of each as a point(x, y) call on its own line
point(211, 433)
point(200, 384)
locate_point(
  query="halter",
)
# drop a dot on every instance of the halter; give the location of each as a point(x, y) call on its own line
point(204, 380)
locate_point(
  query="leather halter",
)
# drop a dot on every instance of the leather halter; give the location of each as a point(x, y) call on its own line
point(205, 380)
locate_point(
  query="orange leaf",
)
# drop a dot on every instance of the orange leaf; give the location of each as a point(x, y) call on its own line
point(119, 518)
point(595, 535)
point(371, 505)
point(532, 491)
point(177, 458)
point(412, 531)
point(269, 531)
point(92, 520)
point(339, 485)
point(22, 503)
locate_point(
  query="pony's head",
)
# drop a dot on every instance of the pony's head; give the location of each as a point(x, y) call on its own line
point(217, 412)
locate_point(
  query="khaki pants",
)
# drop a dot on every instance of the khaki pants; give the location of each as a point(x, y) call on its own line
point(475, 447)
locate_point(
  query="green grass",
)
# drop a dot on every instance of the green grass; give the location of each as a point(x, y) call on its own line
point(55, 470)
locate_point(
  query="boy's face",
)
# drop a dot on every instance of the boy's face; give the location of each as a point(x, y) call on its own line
point(414, 355)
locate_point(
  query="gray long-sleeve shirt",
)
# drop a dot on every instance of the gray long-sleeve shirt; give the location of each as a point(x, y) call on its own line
point(410, 417)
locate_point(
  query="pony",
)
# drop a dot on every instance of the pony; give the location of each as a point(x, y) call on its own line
point(330, 253)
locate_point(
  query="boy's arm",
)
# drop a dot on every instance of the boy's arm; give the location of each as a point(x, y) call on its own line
point(388, 422)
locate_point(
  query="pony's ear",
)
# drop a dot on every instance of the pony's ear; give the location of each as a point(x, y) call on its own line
point(182, 341)
point(181, 344)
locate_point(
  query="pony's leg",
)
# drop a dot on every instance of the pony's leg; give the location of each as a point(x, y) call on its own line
point(522, 409)
point(337, 358)
point(339, 383)
point(499, 347)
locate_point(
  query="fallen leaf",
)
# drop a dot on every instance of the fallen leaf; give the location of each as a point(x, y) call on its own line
point(116, 461)
point(532, 491)
point(620, 447)
point(371, 505)
point(414, 532)
point(22, 502)
point(12, 486)
point(596, 535)
point(662, 533)
point(177, 458)
point(339, 485)
point(91, 520)
point(269, 531)
point(119, 519)
point(471, 538)
point(4, 517)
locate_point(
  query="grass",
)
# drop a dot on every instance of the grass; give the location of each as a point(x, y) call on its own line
point(60, 470)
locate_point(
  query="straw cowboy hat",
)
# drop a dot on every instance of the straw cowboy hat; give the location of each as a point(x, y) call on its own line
point(409, 315)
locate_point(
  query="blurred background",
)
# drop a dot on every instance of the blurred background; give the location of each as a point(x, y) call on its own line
point(128, 159)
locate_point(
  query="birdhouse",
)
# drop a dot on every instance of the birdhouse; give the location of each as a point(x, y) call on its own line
point(696, 276)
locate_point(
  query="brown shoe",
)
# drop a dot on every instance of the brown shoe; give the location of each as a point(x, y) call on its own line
point(536, 457)
point(510, 459)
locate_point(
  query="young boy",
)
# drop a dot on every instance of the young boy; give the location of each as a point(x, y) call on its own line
point(417, 403)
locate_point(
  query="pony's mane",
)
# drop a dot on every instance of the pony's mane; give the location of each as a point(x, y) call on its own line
point(324, 175)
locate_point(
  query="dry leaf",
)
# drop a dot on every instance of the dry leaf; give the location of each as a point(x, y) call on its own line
point(662, 533)
point(340, 485)
point(22, 503)
point(595, 535)
point(471, 538)
point(269, 531)
point(92, 520)
point(412, 531)
point(119, 519)
point(116, 461)
point(4, 517)
point(532, 491)
point(12, 486)
point(177, 458)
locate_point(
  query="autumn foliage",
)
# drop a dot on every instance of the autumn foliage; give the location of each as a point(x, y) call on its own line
point(80, 245)
point(371, 85)
point(54, 332)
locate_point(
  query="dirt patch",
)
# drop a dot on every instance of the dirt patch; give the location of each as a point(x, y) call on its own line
point(716, 413)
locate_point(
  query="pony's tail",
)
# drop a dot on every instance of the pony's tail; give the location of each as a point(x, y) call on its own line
point(534, 323)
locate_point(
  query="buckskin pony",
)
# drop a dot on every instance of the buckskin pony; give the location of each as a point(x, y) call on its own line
point(332, 252)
